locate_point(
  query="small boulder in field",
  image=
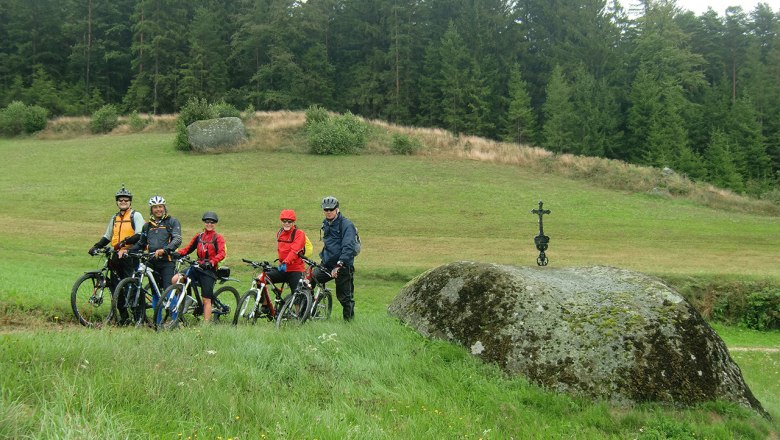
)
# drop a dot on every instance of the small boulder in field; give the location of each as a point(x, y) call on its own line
point(601, 332)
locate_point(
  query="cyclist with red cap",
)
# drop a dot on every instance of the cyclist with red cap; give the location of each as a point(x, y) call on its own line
point(290, 242)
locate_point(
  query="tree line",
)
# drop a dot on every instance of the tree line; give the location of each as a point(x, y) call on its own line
point(656, 85)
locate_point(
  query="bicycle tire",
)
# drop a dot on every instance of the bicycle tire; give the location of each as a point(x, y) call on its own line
point(224, 305)
point(164, 317)
point(87, 299)
point(246, 312)
point(322, 307)
point(144, 313)
point(120, 287)
point(295, 310)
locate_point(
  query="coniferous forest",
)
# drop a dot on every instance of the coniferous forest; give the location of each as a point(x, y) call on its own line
point(655, 85)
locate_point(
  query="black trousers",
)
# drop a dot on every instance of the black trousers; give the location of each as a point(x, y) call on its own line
point(291, 278)
point(345, 288)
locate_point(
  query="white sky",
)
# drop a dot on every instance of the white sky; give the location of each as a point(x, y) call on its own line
point(700, 6)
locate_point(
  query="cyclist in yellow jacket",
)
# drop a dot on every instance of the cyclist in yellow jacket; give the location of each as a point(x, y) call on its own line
point(123, 225)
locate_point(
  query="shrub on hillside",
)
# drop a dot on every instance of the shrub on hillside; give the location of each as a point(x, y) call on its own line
point(105, 119)
point(763, 310)
point(19, 118)
point(12, 119)
point(316, 114)
point(135, 122)
point(35, 118)
point(194, 110)
point(345, 134)
point(403, 144)
point(224, 110)
point(249, 112)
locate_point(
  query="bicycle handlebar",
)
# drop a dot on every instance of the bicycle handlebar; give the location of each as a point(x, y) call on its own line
point(258, 264)
point(312, 263)
point(142, 255)
point(104, 250)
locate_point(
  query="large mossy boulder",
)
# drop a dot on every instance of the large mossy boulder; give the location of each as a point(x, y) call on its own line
point(601, 332)
point(211, 134)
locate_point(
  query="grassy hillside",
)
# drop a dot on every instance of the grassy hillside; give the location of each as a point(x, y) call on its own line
point(372, 379)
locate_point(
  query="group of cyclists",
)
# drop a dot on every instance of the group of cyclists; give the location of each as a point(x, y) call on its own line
point(161, 236)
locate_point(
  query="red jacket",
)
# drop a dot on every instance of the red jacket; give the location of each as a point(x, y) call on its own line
point(204, 243)
point(288, 248)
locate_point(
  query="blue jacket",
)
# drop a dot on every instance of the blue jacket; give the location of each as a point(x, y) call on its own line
point(339, 242)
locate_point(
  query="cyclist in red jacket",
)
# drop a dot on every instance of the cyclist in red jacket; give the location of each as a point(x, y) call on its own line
point(210, 248)
point(290, 241)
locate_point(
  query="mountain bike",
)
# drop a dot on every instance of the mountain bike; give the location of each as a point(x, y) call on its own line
point(256, 303)
point(92, 290)
point(137, 291)
point(181, 303)
point(321, 296)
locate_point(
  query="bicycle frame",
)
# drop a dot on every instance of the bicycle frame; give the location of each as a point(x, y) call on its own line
point(260, 283)
point(306, 283)
point(141, 272)
point(105, 272)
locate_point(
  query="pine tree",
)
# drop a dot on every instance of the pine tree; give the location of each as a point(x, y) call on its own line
point(520, 121)
point(558, 130)
point(721, 170)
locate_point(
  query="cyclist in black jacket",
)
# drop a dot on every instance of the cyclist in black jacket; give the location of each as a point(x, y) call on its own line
point(161, 235)
point(338, 255)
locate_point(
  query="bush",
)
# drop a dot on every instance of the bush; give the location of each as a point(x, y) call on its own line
point(344, 134)
point(135, 122)
point(763, 310)
point(12, 119)
point(19, 118)
point(249, 112)
point(194, 110)
point(403, 144)
point(105, 119)
point(224, 110)
point(316, 114)
point(35, 119)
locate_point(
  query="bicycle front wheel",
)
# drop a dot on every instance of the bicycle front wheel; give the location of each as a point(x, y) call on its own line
point(168, 309)
point(295, 310)
point(122, 299)
point(90, 300)
point(323, 305)
point(248, 308)
point(224, 305)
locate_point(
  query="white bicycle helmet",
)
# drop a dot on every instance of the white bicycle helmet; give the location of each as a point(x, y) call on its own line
point(156, 200)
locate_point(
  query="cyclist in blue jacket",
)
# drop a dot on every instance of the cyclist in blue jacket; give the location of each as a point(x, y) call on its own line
point(338, 255)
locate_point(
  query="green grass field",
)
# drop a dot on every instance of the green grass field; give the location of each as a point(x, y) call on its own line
point(373, 378)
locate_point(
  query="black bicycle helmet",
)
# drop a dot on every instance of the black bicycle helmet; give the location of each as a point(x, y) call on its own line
point(210, 215)
point(330, 202)
point(123, 193)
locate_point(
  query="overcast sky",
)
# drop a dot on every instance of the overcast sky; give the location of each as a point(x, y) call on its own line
point(700, 6)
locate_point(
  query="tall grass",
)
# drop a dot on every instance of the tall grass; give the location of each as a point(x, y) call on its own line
point(371, 379)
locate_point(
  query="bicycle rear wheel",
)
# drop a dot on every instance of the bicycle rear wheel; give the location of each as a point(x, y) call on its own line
point(295, 310)
point(224, 305)
point(248, 309)
point(323, 305)
point(90, 300)
point(167, 311)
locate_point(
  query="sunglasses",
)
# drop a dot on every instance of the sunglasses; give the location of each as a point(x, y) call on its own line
point(123, 200)
point(211, 222)
point(288, 221)
point(328, 209)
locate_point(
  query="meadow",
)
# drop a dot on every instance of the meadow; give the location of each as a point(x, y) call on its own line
point(372, 378)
